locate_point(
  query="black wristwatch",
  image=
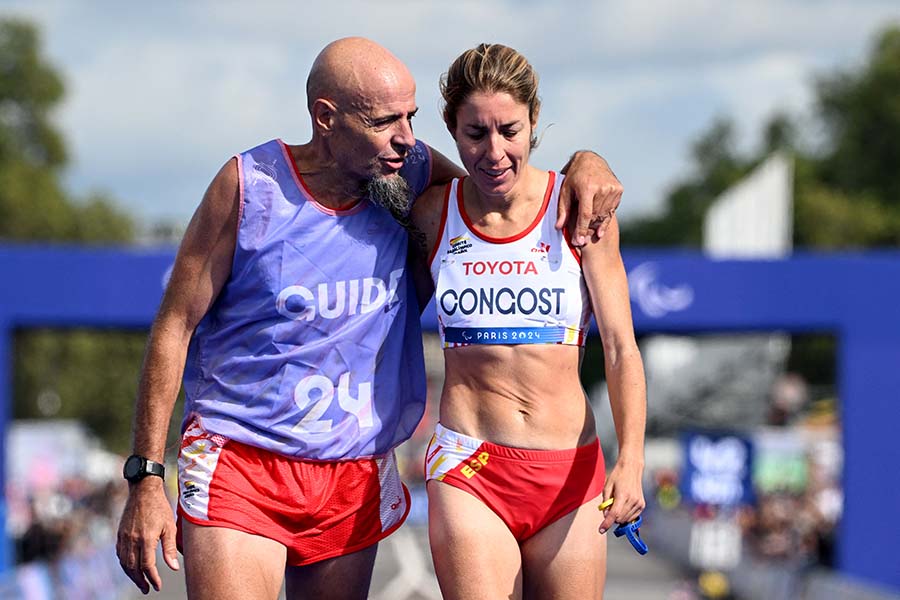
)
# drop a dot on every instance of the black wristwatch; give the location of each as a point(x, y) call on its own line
point(137, 467)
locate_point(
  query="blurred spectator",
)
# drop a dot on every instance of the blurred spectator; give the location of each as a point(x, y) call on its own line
point(64, 496)
point(797, 470)
point(76, 518)
point(795, 518)
point(790, 394)
point(665, 484)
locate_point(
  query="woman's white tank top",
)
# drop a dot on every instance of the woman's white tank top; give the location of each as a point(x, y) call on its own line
point(523, 289)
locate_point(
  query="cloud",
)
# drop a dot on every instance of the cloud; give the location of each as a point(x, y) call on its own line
point(159, 98)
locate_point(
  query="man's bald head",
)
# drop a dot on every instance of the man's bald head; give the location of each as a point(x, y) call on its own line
point(354, 70)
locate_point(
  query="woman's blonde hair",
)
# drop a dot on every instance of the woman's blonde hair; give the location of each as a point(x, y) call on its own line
point(490, 68)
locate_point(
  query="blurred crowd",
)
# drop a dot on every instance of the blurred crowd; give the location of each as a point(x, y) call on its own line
point(74, 518)
point(796, 480)
point(62, 539)
point(62, 523)
point(799, 496)
point(797, 523)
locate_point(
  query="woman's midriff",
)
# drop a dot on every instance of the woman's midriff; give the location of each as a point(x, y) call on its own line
point(520, 396)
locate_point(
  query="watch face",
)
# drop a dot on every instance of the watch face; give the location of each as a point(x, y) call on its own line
point(132, 467)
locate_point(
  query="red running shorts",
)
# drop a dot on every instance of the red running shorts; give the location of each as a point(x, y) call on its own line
point(527, 489)
point(316, 509)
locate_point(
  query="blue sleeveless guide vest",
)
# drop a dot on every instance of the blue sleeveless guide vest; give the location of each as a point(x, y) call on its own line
point(313, 348)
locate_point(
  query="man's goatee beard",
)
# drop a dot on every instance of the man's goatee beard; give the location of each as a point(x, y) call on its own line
point(392, 194)
point(395, 195)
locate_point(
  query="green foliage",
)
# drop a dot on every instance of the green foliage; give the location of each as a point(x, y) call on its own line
point(82, 374)
point(33, 207)
point(33, 204)
point(830, 219)
point(97, 221)
point(86, 375)
point(861, 112)
point(716, 167)
point(29, 90)
point(815, 356)
point(78, 375)
point(847, 194)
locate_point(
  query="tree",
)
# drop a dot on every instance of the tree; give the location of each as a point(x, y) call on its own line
point(33, 204)
point(861, 112)
point(81, 374)
point(847, 192)
point(29, 89)
point(854, 192)
point(716, 167)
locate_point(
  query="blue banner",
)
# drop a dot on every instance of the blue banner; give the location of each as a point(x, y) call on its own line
point(718, 469)
point(851, 295)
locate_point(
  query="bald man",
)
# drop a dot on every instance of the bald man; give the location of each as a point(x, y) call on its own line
point(291, 316)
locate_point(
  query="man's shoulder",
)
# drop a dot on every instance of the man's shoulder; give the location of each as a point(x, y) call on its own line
point(273, 145)
point(417, 154)
point(417, 167)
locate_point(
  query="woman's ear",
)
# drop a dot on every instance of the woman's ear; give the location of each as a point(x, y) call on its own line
point(452, 130)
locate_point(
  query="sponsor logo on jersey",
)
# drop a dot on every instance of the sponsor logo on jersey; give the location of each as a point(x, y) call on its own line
point(541, 247)
point(483, 335)
point(190, 490)
point(333, 300)
point(459, 244)
point(499, 267)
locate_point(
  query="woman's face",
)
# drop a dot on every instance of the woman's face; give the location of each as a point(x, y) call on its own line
point(493, 136)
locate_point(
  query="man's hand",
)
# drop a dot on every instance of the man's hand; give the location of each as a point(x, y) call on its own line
point(146, 520)
point(596, 191)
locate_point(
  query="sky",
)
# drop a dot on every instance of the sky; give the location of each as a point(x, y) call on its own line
point(160, 95)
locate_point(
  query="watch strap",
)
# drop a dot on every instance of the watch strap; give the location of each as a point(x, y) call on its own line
point(154, 468)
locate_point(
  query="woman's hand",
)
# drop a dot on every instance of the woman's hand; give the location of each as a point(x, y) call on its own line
point(623, 485)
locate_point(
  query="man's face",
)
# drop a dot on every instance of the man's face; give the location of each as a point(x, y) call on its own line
point(373, 133)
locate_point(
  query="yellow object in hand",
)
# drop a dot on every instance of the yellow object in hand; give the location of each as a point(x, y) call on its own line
point(606, 504)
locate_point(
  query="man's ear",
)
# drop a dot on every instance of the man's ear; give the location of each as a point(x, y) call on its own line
point(323, 115)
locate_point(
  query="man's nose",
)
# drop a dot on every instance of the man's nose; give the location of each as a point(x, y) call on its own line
point(404, 136)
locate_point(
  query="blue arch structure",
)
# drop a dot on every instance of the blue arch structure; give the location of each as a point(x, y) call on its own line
point(854, 296)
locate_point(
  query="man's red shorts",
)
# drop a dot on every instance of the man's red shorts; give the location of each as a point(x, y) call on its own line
point(316, 509)
point(527, 489)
